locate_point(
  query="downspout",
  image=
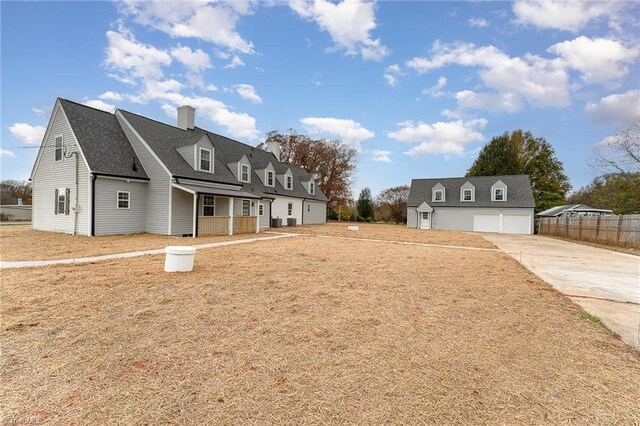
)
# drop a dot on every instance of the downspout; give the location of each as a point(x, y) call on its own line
point(75, 209)
point(93, 205)
point(271, 212)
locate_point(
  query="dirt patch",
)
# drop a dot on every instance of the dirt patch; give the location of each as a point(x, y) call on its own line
point(628, 250)
point(23, 243)
point(308, 330)
point(396, 233)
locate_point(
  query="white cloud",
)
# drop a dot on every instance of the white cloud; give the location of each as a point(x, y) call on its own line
point(247, 91)
point(6, 153)
point(563, 14)
point(435, 91)
point(31, 135)
point(349, 23)
point(620, 109)
point(42, 112)
point(477, 22)
point(381, 156)
point(350, 132)
point(542, 82)
point(214, 22)
point(392, 74)
point(598, 60)
point(131, 59)
point(195, 60)
point(111, 96)
point(97, 103)
point(439, 138)
point(236, 62)
point(509, 102)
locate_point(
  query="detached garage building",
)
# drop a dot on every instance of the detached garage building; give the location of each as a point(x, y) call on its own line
point(501, 204)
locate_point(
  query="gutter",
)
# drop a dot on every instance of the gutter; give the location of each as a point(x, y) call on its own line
point(120, 176)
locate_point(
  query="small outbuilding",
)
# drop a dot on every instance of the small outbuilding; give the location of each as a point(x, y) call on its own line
point(574, 210)
point(502, 204)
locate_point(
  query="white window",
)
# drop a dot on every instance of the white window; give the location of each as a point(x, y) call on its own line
point(308, 207)
point(498, 194)
point(246, 207)
point(208, 205)
point(59, 147)
point(269, 177)
point(438, 195)
point(312, 188)
point(289, 182)
point(260, 209)
point(61, 201)
point(290, 209)
point(244, 172)
point(467, 194)
point(205, 160)
point(123, 199)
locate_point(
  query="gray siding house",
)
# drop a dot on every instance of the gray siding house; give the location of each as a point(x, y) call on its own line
point(501, 204)
point(99, 173)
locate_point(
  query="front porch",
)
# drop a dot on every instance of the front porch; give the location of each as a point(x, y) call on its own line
point(227, 225)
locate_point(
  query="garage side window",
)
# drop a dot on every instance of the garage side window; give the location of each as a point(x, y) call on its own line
point(123, 199)
point(62, 201)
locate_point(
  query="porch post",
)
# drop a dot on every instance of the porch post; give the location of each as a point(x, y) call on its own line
point(230, 215)
point(195, 214)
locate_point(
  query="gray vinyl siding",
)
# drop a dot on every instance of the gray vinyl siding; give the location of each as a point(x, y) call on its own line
point(237, 206)
point(264, 219)
point(157, 216)
point(112, 220)
point(182, 212)
point(412, 217)
point(187, 153)
point(50, 175)
point(314, 212)
point(279, 209)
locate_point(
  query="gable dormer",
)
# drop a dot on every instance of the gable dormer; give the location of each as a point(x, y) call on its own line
point(438, 193)
point(267, 175)
point(499, 191)
point(310, 186)
point(467, 193)
point(286, 179)
point(241, 169)
point(200, 155)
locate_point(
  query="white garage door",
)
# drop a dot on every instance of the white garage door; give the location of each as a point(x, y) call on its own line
point(486, 223)
point(516, 224)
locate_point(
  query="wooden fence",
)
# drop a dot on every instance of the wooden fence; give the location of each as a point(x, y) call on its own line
point(244, 224)
point(213, 225)
point(623, 230)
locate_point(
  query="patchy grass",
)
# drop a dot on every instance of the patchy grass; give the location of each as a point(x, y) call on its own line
point(23, 243)
point(593, 318)
point(307, 330)
point(386, 232)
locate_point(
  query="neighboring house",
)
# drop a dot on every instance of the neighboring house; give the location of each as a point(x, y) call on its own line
point(574, 210)
point(480, 203)
point(100, 173)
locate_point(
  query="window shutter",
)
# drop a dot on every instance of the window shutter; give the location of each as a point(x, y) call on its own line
point(55, 208)
point(66, 200)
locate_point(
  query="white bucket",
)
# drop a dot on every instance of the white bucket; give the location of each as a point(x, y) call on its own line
point(179, 258)
point(354, 228)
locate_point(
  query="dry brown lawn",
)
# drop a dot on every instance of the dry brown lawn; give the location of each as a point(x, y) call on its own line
point(308, 330)
point(20, 242)
point(377, 231)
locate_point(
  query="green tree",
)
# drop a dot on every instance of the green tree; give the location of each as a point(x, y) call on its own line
point(364, 205)
point(520, 152)
point(615, 191)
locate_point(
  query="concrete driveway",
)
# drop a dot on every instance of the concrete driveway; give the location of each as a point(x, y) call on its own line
point(605, 283)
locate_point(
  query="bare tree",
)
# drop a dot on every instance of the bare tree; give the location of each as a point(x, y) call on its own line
point(11, 190)
point(619, 153)
point(395, 200)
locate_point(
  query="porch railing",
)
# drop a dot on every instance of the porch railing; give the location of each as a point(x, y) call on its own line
point(213, 225)
point(244, 224)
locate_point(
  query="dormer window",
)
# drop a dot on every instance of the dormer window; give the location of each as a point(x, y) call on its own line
point(498, 194)
point(244, 172)
point(438, 195)
point(467, 194)
point(270, 177)
point(205, 162)
point(312, 188)
point(289, 182)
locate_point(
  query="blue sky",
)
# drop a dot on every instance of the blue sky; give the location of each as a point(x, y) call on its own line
point(417, 87)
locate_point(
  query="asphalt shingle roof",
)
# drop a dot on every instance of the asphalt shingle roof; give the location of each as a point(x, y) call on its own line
point(518, 192)
point(102, 140)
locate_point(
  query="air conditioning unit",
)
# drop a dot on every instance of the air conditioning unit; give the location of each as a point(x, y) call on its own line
point(276, 222)
point(291, 221)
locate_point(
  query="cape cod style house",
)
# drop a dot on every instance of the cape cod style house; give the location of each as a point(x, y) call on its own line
point(100, 173)
point(481, 203)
